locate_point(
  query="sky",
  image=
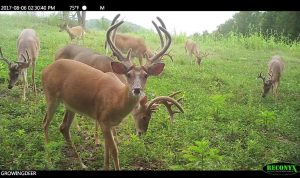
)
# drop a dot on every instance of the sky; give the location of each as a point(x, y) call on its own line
point(188, 22)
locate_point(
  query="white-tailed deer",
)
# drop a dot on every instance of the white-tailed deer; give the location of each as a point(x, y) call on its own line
point(139, 48)
point(76, 32)
point(192, 49)
point(28, 46)
point(142, 112)
point(275, 66)
point(101, 62)
point(101, 96)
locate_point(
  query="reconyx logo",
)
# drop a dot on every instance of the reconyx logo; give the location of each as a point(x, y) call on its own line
point(281, 168)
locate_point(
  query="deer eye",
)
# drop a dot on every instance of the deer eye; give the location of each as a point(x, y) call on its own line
point(128, 75)
point(146, 75)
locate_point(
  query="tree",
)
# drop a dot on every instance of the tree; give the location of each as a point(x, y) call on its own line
point(81, 18)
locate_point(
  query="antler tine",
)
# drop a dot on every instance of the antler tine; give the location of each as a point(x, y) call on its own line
point(260, 76)
point(169, 55)
point(160, 35)
point(168, 102)
point(205, 55)
point(161, 22)
point(158, 56)
point(175, 93)
point(115, 19)
point(3, 58)
point(115, 50)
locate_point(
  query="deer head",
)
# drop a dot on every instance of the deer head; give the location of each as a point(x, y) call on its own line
point(143, 111)
point(267, 84)
point(15, 68)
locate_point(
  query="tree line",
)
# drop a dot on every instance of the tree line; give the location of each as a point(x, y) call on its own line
point(280, 24)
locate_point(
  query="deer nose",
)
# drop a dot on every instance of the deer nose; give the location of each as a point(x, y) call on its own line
point(136, 91)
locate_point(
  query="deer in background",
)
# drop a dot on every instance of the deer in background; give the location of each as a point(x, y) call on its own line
point(28, 46)
point(101, 96)
point(76, 32)
point(275, 66)
point(192, 49)
point(139, 48)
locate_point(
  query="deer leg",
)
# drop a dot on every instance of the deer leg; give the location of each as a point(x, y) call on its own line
point(114, 131)
point(25, 84)
point(65, 130)
point(51, 107)
point(110, 147)
point(33, 78)
point(97, 140)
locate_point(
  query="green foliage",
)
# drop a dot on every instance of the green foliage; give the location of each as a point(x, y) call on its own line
point(282, 25)
point(227, 125)
point(201, 157)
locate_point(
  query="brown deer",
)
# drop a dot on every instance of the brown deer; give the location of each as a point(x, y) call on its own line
point(108, 100)
point(192, 49)
point(139, 48)
point(76, 32)
point(28, 46)
point(275, 66)
point(142, 112)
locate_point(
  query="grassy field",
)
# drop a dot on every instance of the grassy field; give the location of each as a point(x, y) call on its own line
point(227, 125)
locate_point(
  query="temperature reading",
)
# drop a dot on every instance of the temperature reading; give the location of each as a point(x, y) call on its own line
point(74, 8)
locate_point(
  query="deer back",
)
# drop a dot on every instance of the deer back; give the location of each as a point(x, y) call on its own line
point(28, 41)
point(77, 79)
point(276, 66)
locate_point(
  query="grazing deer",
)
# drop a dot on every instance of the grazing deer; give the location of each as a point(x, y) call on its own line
point(192, 49)
point(28, 46)
point(142, 112)
point(108, 100)
point(76, 32)
point(275, 66)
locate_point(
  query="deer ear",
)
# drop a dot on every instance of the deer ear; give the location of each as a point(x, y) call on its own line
point(156, 68)
point(118, 67)
point(143, 101)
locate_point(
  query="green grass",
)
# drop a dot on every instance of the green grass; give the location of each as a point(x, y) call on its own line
point(227, 125)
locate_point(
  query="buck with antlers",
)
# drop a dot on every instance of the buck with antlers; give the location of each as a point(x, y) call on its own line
point(192, 49)
point(139, 48)
point(101, 62)
point(76, 32)
point(275, 66)
point(28, 46)
point(108, 100)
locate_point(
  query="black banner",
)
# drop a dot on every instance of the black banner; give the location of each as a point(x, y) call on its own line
point(138, 5)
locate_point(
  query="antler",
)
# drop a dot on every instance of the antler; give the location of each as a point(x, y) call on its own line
point(3, 58)
point(164, 47)
point(168, 101)
point(169, 55)
point(205, 54)
point(260, 76)
point(115, 50)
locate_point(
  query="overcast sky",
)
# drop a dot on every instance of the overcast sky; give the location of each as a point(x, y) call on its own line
point(188, 22)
